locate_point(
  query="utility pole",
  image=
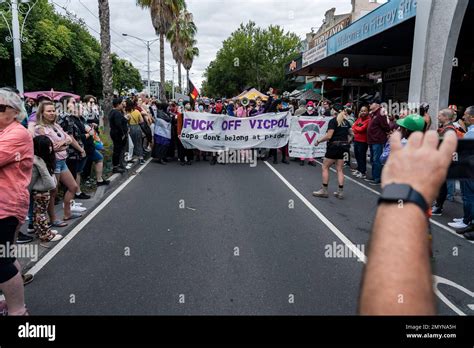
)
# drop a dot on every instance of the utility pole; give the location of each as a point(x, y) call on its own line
point(16, 36)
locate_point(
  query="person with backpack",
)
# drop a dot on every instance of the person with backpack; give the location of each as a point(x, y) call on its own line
point(446, 117)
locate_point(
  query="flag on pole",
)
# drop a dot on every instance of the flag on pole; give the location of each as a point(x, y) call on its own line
point(193, 91)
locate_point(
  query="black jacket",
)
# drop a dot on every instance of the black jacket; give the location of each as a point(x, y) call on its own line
point(118, 124)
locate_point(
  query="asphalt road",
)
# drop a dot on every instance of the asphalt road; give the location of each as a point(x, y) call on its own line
point(230, 240)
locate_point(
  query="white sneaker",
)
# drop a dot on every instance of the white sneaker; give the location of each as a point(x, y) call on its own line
point(458, 219)
point(76, 207)
point(56, 238)
point(355, 173)
point(73, 202)
point(457, 225)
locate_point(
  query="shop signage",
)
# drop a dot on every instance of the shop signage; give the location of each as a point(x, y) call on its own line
point(315, 54)
point(401, 72)
point(384, 17)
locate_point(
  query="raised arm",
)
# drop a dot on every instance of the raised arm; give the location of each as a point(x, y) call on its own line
point(397, 279)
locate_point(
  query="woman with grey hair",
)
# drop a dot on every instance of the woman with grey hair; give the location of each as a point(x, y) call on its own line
point(16, 165)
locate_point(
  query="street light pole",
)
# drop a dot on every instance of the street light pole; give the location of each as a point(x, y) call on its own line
point(148, 44)
point(148, 61)
point(16, 36)
point(17, 47)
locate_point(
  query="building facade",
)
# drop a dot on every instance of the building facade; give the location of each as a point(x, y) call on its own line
point(412, 51)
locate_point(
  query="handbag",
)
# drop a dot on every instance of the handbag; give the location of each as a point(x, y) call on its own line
point(146, 130)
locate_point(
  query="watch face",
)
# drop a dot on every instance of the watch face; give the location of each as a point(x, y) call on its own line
point(396, 192)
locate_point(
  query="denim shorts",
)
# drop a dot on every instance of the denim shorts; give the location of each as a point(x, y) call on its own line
point(81, 163)
point(96, 156)
point(61, 167)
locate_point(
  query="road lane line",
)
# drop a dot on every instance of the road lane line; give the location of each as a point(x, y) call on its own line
point(45, 259)
point(361, 256)
point(434, 222)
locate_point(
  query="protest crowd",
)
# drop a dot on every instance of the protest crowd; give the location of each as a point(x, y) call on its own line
point(48, 146)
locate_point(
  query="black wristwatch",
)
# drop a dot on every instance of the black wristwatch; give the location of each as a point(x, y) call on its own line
point(402, 193)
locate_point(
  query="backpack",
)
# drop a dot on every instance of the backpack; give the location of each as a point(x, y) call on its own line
point(459, 132)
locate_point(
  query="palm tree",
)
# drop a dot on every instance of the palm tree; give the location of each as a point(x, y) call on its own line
point(163, 13)
point(106, 58)
point(190, 52)
point(182, 30)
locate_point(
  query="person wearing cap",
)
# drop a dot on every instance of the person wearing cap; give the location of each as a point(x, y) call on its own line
point(16, 167)
point(407, 125)
point(377, 138)
point(310, 112)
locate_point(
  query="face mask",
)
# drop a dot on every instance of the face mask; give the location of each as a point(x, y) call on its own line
point(201, 108)
point(310, 108)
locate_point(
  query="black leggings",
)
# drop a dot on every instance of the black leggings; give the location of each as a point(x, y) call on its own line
point(8, 228)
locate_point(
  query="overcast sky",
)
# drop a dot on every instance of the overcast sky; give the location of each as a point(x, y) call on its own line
point(215, 20)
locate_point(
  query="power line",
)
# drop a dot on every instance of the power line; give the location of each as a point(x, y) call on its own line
point(111, 29)
point(97, 32)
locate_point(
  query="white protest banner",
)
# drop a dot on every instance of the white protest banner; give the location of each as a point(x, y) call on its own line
point(303, 135)
point(210, 132)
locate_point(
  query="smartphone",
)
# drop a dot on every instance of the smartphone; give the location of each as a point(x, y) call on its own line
point(463, 161)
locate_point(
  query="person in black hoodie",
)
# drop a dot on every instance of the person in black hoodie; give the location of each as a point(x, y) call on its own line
point(119, 134)
point(277, 106)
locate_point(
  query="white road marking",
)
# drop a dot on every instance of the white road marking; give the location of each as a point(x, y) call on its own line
point(440, 280)
point(434, 222)
point(362, 257)
point(41, 263)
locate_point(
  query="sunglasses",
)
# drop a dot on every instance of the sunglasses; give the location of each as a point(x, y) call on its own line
point(3, 108)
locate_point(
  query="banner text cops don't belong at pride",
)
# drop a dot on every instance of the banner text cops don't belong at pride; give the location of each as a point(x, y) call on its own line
point(209, 132)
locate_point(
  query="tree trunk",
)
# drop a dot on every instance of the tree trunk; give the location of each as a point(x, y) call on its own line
point(179, 78)
point(106, 59)
point(187, 81)
point(162, 67)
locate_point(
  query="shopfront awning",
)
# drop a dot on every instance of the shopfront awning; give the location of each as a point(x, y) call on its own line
point(380, 40)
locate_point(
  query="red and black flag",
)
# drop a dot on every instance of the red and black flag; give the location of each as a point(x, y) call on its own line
point(193, 91)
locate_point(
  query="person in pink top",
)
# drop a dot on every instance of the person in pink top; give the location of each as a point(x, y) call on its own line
point(241, 110)
point(16, 165)
point(46, 125)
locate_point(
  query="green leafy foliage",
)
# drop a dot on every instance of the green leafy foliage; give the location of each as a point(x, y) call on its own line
point(251, 56)
point(59, 53)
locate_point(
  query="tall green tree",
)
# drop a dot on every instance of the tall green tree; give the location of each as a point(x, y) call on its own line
point(125, 76)
point(182, 30)
point(163, 13)
point(190, 52)
point(59, 53)
point(251, 57)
